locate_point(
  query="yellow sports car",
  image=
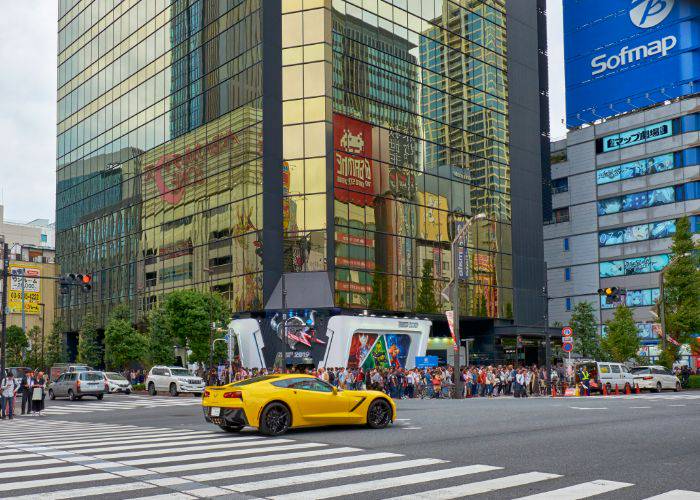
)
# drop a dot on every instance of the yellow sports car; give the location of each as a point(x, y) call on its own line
point(275, 403)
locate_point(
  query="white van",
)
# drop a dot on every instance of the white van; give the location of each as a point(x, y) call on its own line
point(610, 375)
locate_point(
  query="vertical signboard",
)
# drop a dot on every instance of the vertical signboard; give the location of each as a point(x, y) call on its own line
point(32, 289)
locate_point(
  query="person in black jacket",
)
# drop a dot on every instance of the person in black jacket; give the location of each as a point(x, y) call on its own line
point(26, 387)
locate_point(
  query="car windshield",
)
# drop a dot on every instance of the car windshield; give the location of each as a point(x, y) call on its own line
point(254, 380)
point(91, 376)
point(115, 376)
point(80, 368)
point(641, 370)
point(179, 372)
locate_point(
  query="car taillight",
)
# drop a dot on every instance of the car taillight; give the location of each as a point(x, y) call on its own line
point(648, 378)
point(234, 395)
point(77, 385)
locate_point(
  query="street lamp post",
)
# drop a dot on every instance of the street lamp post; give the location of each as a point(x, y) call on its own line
point(210, 272)
point(3, 303)
point(42, 306)
point(464, 231)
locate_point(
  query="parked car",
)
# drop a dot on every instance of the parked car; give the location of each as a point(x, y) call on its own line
point(655, 378)
point(75, 385)
point(117, 383)
point(173, 379)
point(610, 375)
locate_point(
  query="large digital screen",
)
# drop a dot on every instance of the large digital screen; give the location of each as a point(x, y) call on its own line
point(622, 55)
point(371, 350)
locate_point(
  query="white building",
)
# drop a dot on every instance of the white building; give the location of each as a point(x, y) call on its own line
point(38, 232)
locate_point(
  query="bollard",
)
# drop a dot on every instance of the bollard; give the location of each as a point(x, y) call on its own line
point(636, 388)
point(605, 389)
point(554, 390)
point(617, 390)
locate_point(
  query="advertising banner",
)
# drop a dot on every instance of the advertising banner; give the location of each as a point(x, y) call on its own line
point(32, 289)
point(621, 55)
point(638, 136)
point(450, 321)
point(353, 177)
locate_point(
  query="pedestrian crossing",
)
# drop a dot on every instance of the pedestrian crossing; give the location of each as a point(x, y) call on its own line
point(66, 459)
point(115, 403)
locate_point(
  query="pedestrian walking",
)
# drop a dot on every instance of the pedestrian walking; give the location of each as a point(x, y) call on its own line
point(8, 390)
point(26, 389)
point(38, 394)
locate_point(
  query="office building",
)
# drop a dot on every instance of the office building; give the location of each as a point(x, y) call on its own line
point(222, 145)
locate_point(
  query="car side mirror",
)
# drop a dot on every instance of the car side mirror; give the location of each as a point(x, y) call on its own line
point(335, 391)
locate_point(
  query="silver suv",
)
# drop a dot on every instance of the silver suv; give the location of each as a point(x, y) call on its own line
point(174, 380)
point(75, 385)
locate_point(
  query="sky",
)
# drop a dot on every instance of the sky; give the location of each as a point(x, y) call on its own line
point(28, 47)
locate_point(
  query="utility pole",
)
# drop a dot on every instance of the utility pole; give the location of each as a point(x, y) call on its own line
point(284, 319)
point(210, 272)
point(43, 324)
point(3, 341)
point(456, 244)
point(547, 336)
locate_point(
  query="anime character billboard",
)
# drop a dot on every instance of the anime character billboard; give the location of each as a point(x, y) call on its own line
point(370, 350)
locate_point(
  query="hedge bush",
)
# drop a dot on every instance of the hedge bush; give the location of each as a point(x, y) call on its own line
point(694, 382)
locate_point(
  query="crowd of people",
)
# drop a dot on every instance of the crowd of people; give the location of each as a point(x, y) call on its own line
point(437, 382)
point(30, 390)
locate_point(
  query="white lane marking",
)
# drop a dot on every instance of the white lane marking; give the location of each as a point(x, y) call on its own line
point(411, 428)
point(677, 495)
point(204, 447)
point(40, 483)
point(586, 408)
point(330, 475)
point(30, 463)
point(167, 496)
point(249, 460)
point(476, 488)
point(578, 491)
point(402, 419)
point(169, 436)
point(44, 470)
point(96, 448)
point(219, 454)
point(381, 484)
point(676, 405)
point(208, 492)
point(639, 407)
point(311, 464)
point(85, 492)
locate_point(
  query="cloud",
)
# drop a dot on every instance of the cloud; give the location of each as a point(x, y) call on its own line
point(28, 46)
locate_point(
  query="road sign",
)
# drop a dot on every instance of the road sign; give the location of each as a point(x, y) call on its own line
point(567, 331)
point(426, 361)
point(567, 346)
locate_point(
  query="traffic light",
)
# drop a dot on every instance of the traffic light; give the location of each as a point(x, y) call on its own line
point(612, 294)
point(84, 281)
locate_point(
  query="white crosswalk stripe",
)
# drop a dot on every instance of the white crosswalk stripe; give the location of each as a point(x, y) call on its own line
point(64, 407)
point(52, 462)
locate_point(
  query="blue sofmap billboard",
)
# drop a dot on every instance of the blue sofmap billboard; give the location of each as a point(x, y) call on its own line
point(627, 54)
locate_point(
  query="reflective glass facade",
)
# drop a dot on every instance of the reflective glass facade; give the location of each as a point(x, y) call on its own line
point(394, 129)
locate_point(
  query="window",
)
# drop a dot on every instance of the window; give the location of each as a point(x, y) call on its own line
point(566, 244)
point(604, 369)
point(557, 157)
point(44, 238)
point(560, 185)
point(561, 215)
point(615, 368)
point(568, 304)
point(567, 274)
point(313, 385)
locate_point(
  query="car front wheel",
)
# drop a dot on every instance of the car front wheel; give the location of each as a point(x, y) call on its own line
point(152, 389)
point(379, 414)
point(71, 395)
point(658, 387)
point(173, 390)
point(275, 419)
point(100, 396)
point(678, 387)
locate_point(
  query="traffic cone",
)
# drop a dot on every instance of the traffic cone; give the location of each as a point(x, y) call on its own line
point(617, 390)
point(636, 388)
point(554, 391)
point(605, 389)
point(578, 391)
point(628, 389)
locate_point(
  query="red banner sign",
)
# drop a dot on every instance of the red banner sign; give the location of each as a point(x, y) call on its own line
point(353, 178)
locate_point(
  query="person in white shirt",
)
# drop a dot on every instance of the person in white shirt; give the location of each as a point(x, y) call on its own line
point(8, 390)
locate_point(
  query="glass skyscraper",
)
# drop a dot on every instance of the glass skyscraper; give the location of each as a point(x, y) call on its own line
point(219, 144)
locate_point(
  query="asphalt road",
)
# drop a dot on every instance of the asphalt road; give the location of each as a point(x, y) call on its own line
point(135, 446)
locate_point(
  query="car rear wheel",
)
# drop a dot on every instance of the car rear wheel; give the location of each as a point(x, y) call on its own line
point(378, 414)
point(173, 390)
point(658, 387)
point(152, 389)
point(71, 395)
point(100, 396)
point(231, 428)
point(275, 419)
point(52, 396)
point(678, 387)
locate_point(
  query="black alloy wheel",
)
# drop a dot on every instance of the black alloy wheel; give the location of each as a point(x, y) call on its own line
point(232, 428)
point(152, 389)
point(275, 419)
point(379, 414)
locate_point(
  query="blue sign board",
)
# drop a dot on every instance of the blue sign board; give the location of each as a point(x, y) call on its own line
point(426, 361)
point(622, 55)
point(638, 136)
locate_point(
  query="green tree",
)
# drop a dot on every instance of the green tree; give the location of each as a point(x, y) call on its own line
point(55, 347)
point(34, 349)
point(379, 300)
point(681, 290)
point(160, 338)
point(16, 343)
point(622, 341)
point(426, 291)
point(585, 327)
point(89, 347)
point(125, 347)
point(189, 313)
